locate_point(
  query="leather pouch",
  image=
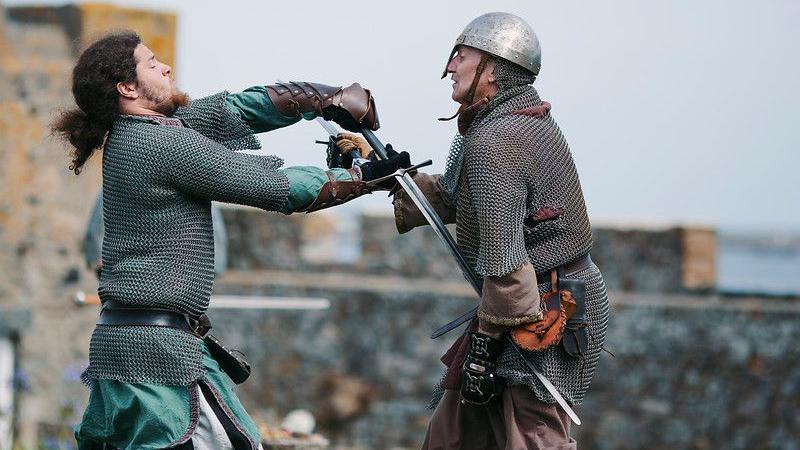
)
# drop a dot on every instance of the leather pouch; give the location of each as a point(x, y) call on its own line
point(575, 339)
point(545, 333)
point(231, 362)
point(564, 319)
point(557, 306)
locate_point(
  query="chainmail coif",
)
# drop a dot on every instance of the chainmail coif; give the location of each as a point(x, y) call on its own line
point(505, 167)
point(507, 75)
point(158, 251)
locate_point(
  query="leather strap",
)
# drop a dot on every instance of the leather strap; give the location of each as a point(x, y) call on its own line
point(115, 314)
point(570, 268)
point(334, 192)
point(297, 97)
point(476, 79)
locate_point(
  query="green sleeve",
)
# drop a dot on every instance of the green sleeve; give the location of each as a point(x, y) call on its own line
point(254, 106)
point(305, 183)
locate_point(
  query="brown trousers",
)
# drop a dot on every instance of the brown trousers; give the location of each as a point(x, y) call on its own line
point(516, 421)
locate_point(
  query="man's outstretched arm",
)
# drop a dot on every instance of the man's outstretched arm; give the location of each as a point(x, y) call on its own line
point(266, 108)
point(256, 109)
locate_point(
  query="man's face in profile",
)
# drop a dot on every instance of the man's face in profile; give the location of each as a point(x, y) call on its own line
point(462, 67)
point(155, 83)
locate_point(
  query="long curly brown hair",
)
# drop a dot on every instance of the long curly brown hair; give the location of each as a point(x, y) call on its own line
point(100, 67)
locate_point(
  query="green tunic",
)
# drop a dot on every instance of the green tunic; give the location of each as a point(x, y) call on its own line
point(150, 416)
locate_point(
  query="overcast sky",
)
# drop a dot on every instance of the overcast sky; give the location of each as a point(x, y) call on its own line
point(679, 111)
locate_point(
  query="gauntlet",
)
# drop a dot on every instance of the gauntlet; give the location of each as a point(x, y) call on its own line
point(351, 107)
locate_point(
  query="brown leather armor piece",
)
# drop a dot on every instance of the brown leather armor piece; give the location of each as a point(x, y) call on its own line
point(351, 107)
point(558, 306)
point(335, 192)
point(406, 214)
point(538, 111)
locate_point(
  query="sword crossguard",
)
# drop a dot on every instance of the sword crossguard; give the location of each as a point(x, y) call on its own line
point(399, 172)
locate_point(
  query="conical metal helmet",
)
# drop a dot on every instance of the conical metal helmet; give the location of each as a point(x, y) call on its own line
point(503, 35)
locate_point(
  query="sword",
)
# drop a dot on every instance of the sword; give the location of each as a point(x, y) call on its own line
point(422, 203)
point(439, 228)
point(548, 385)
point(428, 212)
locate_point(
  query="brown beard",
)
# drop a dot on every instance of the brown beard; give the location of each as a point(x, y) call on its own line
point(169, 104)
point(175, 100)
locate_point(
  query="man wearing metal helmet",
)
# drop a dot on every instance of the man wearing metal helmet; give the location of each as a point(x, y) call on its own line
point(512, 189)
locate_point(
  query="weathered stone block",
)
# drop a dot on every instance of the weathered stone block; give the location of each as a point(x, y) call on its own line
point(656, 260)
point(416, 253)
point(261, 240)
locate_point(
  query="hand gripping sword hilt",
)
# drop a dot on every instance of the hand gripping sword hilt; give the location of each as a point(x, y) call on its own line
point(399, 172)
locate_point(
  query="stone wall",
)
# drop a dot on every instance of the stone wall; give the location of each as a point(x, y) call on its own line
point(692, 369)
point(636, 257)
point(657, 259)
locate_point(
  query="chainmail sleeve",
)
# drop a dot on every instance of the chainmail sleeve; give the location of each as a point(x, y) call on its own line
point(498, 191)
point(210, 171)
point(211, 117)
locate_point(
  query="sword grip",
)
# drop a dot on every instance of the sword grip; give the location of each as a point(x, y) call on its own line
point(375, 143)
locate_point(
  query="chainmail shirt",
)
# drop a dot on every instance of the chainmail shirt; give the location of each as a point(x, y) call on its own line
point(508, 166)
point(158, 251)
point(505, 167)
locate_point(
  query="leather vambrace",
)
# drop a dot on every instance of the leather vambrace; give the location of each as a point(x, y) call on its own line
point(352, 107)
point(335, 192)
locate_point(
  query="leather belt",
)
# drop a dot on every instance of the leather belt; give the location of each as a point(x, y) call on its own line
point(115, 314)
point(569, 268)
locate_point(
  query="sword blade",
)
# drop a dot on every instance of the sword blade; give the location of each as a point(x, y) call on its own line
point(548, 385)
point(455, 323)
point(329, 128)
point(441, 232)
point(429, 213)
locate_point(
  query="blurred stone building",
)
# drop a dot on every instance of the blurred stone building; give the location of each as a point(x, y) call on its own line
point(43, 212)
point(693, 368)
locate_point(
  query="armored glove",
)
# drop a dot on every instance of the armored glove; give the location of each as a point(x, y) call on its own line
point(479, 384)
point(352, 107)
point(335, 192)
point(380, 168)
point(348, 142)
point(340, 154)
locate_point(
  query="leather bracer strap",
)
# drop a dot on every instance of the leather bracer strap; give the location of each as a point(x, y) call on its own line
point(335, 192)
point(351, 107)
